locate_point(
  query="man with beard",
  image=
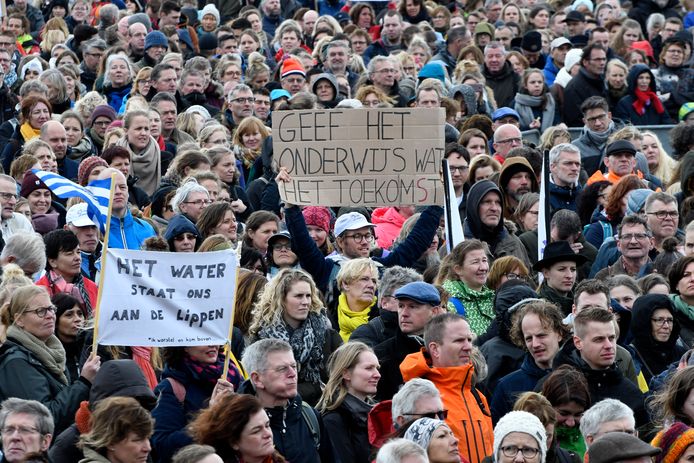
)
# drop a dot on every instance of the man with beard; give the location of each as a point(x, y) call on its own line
point(484, 221)
point(516, 179)
point(191, 87)
point(565, 168)
point(156, 45)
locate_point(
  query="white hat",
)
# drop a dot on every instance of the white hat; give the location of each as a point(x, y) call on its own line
point(558, 42)
point(77, 216)
point(520, 421)
point(210, 9)
point(572, 58)
point(351, 221)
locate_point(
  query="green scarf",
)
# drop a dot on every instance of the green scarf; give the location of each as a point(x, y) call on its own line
point(682, 306)
point(479, 305)
point(350, 320)
point(570, 439)
point(50, 353)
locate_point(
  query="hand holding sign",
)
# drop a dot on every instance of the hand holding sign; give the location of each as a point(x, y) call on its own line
point(91, 368)
point(222, 388)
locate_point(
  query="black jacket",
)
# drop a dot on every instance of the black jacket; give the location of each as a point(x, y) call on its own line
point(581, 87)
point(625, 109)
point(377, 330)
point(391, 353)
point(22, 375)
point(346, 426)
point(505, 84)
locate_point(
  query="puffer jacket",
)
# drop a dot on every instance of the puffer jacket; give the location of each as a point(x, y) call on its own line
point(388, 223)
point(347, 427)
point(129, 232)
point(468, 413)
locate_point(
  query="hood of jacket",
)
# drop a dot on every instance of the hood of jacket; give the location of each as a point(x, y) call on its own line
point(474, 198)
point(178, 225)
point(641, 315)
point(687, 174)
point(388, 215)
point(469, 98)
point(507, 302)
point(633, 75)
point(121, 378)
point(331, 80)
point(511, 167)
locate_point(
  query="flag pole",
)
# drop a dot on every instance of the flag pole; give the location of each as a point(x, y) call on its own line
point(103, 264)
point(227, 348)
point(447, 209)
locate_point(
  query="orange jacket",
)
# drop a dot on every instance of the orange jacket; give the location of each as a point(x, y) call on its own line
point(468, 417)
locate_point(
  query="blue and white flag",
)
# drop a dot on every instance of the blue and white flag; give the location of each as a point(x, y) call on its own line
point(96, 194)
point(454, 226)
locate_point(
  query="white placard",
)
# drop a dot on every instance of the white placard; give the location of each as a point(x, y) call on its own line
point(166, 299)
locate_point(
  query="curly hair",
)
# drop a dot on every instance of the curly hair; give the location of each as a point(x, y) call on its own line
point(550, 317)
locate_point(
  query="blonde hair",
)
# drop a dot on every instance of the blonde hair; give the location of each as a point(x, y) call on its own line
point(88, 103)
point(19, 302)
point(666, 165)
point(345, 358)
point(269, 309)
point(353, 269)
point(246, 126)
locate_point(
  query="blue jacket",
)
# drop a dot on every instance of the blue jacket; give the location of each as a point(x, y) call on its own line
point(550, 71)
point(129, 232)
point(322, 268)
point(563, 197)
point(510, 386)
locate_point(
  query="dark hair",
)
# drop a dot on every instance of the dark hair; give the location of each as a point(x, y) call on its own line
point(250, 256)
point(677, 272)
point(211, 216)
point(594, 102)
point(113, 152)
point(647, 283)
point(168, 6)
point(566, 385)
point(456, 148)
point(591, 286)
point(550, 317)
point(566, 222)
point(631, 220)
point(588, 51)
point(248, 288)
point(668, 256)
point(630, 182)
point(64, 302)
point(587, 201)
point(58, 241)
point(681, 140)
point(255, 220)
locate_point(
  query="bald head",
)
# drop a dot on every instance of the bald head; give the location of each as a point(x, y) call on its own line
point(119, 205)
point(53, 133)
point(506, 137)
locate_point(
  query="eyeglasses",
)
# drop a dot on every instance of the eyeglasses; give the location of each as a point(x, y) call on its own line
point(675, 51)
point(665, 214)
point(8, 196)
point(511, 451)
point(243, 100)
point(513, 276)
point(359, 237)
point(636, 236)
point(102, 123)
point(282, 247)
point(42, 311)
point(386, 71)
point(461, 169)
point(514, 141)
point(441, 414)
point(661, 321)
point(23, 431)
point(199, 202)
point(597, 118)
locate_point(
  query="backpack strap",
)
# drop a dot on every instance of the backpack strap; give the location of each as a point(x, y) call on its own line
point(458, 304)
point(311, 420)
point(606, 230)
point(179, 389)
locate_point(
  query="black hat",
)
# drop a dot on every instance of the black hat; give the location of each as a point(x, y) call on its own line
point(575, 16)
point(620, 146)
point(532, 42)
point(558, 251)
point(580, 40)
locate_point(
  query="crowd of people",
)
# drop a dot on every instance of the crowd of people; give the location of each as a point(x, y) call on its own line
point(360, 334)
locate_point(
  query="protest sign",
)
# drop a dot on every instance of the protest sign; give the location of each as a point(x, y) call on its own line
point(360, 157)
point(166, 299)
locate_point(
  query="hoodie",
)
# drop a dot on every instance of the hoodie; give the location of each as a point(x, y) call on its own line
point(333, 83)
point(388, 223)
point(625, 109)
point(178, 225)
point(468, 413)
point(469, 98)
point(652, 355)
point(511, 167)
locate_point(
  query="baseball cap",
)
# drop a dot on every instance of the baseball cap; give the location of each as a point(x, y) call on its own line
point(351, 221)
point(419, 291)
point(558, 42)
point(77, 216)
point(504, 112)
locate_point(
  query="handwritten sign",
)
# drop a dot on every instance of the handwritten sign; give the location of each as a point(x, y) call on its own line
point(166, 299)
point(362, 157)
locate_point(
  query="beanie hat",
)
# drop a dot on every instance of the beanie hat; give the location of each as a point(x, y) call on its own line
point(30, 184)
point(317, 216)
point(83, 32)
point(421, 430)
point(484, 28)
point(33, 65)
point(532, 41)
point(207, 41)
point(103, 110)
point(292, 66)
point(210, 9)
point(524, 422)
point(573, 57)
point(141, 18)
point(156, 39)
point(636, 200)
point(87, 166)
point(685, 111)
point(673, 442)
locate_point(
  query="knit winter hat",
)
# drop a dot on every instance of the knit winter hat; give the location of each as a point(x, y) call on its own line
point(102, 110)
point(30, 184)
point(210, 9)
point(673, 442)
point(573, 57)
point(292, 66)
point(421, 430)
point(524, 422)
point(636, 200)
point(87, 166)
point(141, 18)
point(156, 39)
point(207, 41)
point(317, 216)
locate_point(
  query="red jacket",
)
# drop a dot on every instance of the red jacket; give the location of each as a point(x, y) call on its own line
point(388, 223)
point(89, 285)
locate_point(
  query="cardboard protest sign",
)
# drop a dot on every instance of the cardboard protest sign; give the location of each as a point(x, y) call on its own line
point(166, 299)
point(360, 157)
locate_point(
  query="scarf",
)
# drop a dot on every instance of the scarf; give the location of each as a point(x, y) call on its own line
point(50, 353)
point(306, 341)
point(525, 104)
point(146, 164)
point(44, 223)
point(570, 439)
point(647, 98)
point(599, 138)
point(209, 373)
point(682, 307)
point(143, 357)
point(57, 284)
point(98, 140)
point(28, 132)
point(350, 320)
point(479, 305)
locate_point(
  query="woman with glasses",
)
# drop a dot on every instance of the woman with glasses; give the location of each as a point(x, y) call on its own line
point(504, 269)
point(673, 75)
point(656, 333)
point(32, 360)
point(347, 400)
point(279, 254)
point(519, 436)
point(290, 309)
point(191, 200)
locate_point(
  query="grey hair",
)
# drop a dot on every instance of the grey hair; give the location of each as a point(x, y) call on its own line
point(199, 63)
point(44, 419)
point(396, 277)
point(254, 357)
point(171, 57)
point(57, 79)
point(659, 196)
point(395, 451)
point(109, 12)
point(110, 60)
point(33, 85)
point(28, 250)
point(408, 395)
point(377, 60)
point(494, 45)
point(562, 148)
point(236, 90)
point(94, 43)
point(8, 178)
point(182, 193)
point(193, 453)
point(335, 44)
point(602, 412)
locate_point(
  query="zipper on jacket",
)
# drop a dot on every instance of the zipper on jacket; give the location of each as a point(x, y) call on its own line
point(470, 420)
point(122, 232)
